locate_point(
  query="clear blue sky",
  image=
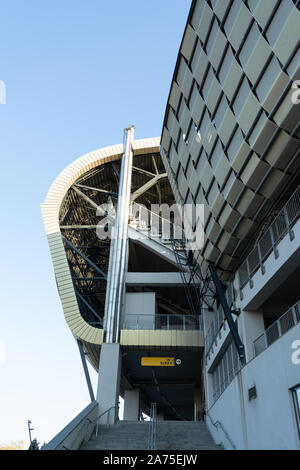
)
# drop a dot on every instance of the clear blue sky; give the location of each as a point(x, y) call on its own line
point(77, 73)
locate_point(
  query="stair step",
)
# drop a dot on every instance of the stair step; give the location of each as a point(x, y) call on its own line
point(170, 435)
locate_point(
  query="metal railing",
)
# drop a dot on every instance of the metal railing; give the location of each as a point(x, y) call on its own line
point(102, 414)
point(152, 428)
point(77, 431)
point(282, 224)
point(155, 226)
point(218, 424)
point(162, 322)
point(287, 321)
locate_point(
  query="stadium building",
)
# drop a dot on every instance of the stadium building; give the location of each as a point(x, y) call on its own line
point(205, 341)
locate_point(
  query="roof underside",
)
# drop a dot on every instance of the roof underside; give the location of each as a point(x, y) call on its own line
point(78, 210)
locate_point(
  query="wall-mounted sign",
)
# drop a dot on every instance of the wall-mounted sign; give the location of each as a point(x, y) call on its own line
point(158, 361)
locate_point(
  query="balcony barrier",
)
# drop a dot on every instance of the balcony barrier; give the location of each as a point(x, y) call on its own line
point(287, 321)
point(282, 224)
point(162, 322)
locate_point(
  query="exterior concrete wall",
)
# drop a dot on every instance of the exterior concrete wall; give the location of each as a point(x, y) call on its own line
point(109, 382)
point(79, 430)
point(250, 321)
point(251, 326)
point(227, 411)
point(277, 269)
point(269, 419)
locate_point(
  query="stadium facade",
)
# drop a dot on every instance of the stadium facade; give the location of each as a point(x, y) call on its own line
point(209, 337)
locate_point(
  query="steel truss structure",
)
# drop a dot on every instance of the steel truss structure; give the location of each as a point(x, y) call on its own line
point(88, 256)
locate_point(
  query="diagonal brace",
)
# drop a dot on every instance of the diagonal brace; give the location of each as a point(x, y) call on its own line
point(227, 312)
point(147, 186)
point(86, 371)
point(85, 257)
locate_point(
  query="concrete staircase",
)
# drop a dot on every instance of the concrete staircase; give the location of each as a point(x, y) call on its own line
point(170, 435)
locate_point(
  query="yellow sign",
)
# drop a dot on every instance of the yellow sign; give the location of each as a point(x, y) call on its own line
point(158, 361)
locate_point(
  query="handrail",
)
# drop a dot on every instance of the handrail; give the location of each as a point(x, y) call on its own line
point(76, 424)
point(218, 423)
point(152, 428)
point(162, 322)
point(89, 422)
point(155, 214)
point(102, 414)
point(283, 324)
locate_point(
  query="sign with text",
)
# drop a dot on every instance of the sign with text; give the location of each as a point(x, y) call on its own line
point(158, 361)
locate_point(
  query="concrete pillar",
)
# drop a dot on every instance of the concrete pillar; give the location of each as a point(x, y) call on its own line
point(251, 326)
point(132, 405)
point(109, 382)
point(198, 404)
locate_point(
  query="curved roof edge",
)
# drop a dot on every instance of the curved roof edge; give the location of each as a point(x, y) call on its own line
point(50, 211)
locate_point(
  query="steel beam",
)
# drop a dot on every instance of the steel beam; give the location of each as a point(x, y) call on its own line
point(227, 312)
point(154, 164)
point(87, 278)
point(112, 193)
point(147, 186)
point(86, 371)
point(141, 170)
point(92, 203)
point(180, 383)
point(89, 306)
point(116, 171)
point(119, 246)
point(85, 257)
point(78, 227)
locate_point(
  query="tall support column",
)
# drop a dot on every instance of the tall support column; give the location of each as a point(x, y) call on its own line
point(109, 382)
point(132, 405)
point(119, 245)
point(110, 363)
point(251, 324)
